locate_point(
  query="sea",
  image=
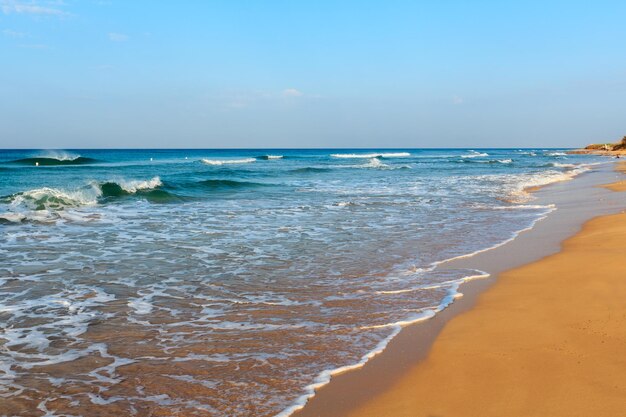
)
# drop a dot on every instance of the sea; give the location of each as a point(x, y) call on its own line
point(235, 282)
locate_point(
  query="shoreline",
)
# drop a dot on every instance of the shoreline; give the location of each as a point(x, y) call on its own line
point(349, 390)
point(597, 152)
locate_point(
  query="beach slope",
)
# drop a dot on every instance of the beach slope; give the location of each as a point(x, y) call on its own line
point(548, 339)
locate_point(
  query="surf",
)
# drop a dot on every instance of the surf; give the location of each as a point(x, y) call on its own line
point(218, 162)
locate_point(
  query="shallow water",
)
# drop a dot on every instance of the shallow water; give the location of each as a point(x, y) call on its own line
point(224, 283)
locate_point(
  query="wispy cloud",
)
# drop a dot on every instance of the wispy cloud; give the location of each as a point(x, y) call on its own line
point(118, 37)
point(33, 46)
point(38, 8)
point(292, 92)
point(245, 99)
point(14, 34)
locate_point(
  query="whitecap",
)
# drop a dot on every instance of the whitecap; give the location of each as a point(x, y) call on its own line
point(558, 165)
point(227, 161)
point(371, 155)
point(132, 186)
point(374, 163)
point(474, 154)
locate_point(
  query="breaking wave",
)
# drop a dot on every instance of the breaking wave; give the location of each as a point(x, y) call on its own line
point(45, 161)
point(46, 203)
point(227, 161)
point(474, 154)
point(371, 155)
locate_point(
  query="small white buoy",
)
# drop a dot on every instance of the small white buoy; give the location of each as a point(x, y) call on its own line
point(36, 164)
point(151, 159)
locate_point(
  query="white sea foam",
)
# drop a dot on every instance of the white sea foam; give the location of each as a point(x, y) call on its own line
point(325, 376)
point(474, 154)
point(227, 161)
point(497, 245)
point(54, 198)
point(372, 155)
point(132, 186)
point(493, 161)
point(545, 178)
point(558, 165)
point(68, 315)
point(344, 204)
point(13, 217)
point(521, 207)
point(48, 204)
point(445, 284)
point(140, 306)
point(274, 157)
point(374, 163)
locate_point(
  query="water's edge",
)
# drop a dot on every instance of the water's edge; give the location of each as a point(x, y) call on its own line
point(576, 202)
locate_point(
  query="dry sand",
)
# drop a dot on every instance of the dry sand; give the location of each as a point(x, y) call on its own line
point(548, 339)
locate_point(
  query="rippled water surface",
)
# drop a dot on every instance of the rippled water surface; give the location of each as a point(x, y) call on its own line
point(228, 283)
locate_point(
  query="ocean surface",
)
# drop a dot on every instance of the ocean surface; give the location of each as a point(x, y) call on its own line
point(234, 282)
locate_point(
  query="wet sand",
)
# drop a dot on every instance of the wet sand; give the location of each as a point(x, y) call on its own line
point(619, 185)
point(546, 338)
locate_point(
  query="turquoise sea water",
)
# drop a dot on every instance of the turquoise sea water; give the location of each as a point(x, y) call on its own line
point(232, 282)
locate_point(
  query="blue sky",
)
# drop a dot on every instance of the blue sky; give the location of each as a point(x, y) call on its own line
point(444, 73)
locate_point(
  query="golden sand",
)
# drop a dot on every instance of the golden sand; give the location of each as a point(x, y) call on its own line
point(547, 340)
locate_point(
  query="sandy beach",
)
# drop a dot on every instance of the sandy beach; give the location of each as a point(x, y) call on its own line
point(546, 339)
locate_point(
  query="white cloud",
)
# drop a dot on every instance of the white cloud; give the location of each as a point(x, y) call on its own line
point(118, 37)
point(48, 8)
point(292, 92)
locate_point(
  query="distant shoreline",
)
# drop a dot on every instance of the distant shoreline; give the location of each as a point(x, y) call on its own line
point(597, 152)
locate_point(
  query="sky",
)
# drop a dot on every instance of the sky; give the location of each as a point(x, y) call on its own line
point(317, 73)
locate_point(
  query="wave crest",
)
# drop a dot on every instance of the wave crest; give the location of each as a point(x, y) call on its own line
point(54, 199)
point(46, 161)
point(474, 154)
point(46, 203)
point(227, 161)
point(371, 155)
